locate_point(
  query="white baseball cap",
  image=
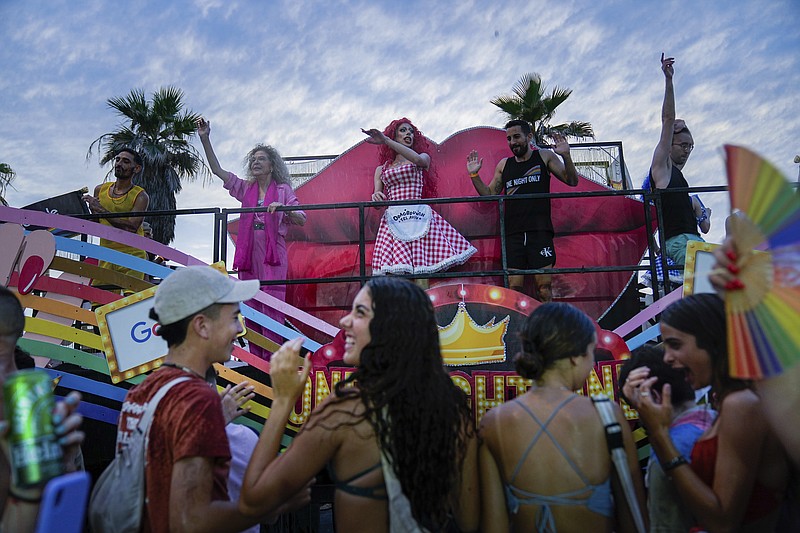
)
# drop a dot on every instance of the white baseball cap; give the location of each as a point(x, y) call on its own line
point(189, 290)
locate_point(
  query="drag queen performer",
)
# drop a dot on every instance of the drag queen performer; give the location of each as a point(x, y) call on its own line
point(261, 244)
point(412, 239)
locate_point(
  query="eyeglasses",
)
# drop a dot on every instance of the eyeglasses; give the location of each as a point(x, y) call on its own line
point(686, 147)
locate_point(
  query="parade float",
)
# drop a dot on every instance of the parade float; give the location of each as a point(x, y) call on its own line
point(89, 327)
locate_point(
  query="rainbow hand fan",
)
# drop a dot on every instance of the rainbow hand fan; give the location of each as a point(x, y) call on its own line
point(764, 317)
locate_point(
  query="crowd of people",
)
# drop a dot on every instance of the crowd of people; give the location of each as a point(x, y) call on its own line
point(397, 436)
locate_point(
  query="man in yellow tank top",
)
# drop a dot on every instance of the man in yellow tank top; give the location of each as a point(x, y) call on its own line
point(121, 196)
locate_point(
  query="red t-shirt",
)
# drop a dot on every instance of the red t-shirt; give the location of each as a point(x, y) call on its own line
point(188, 423)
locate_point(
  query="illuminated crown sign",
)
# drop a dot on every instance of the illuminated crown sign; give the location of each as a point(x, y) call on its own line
point(464, 342)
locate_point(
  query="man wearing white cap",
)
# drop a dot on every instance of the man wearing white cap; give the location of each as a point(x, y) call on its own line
point(187, 453)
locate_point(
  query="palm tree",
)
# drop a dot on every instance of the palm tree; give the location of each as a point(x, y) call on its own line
point(158, 130)
point(7, 175)
point(528, 102)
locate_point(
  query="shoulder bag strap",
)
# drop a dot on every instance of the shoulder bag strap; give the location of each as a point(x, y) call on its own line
point(150, 411)
point(618, 456)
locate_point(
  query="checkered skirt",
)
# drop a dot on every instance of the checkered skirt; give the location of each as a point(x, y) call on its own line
point(440, 248)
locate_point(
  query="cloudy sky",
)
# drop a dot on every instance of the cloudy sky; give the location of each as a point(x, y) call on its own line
point(305, 76)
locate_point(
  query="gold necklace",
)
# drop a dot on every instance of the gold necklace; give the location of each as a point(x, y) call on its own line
point(115, 196)
point(116, 190)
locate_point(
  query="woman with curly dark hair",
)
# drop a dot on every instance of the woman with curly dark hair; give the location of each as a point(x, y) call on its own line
point(544, 462)
point(411, 239)
point(397, 434)
point(736, 476)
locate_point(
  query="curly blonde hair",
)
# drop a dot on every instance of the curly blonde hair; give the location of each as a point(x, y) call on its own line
point(279, 171)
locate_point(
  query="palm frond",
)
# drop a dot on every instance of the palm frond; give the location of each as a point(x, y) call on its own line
point(577, 130)
point(7, 175)
point(159, 130)
point(528, 102)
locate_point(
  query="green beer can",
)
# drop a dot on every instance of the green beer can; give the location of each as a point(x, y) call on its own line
point(35, 452)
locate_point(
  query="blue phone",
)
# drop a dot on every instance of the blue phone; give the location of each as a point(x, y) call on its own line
point(64, 501)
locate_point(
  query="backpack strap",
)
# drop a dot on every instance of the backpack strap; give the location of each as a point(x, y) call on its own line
point(150, 411)
point(618, 456)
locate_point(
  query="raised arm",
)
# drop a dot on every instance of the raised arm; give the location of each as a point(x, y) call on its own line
point(21, 509)
point(269, 479)
point(191, 508)
point(204, 132)
point(721, 507)
point(564, 170)
point(660, 167)
point(377, 137)
point(474, 165)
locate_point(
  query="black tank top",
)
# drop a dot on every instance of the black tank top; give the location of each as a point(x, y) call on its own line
point(678, 213)
point(527, 177)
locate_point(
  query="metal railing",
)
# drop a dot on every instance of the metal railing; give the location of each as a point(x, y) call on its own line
point(221, 218)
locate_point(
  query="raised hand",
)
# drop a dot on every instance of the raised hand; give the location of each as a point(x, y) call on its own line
point(474, 163)
point(375, 136)
point(67, 421)
point(561, 146)
point(667, 65)
point(203, 127)
point(635, 378)
point(234, 399)
point(725, 274)
point(653, 414)
point(287, 382)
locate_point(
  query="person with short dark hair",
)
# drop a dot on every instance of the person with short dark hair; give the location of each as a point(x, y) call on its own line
point(544, 461)
point(528, 223)
point(666, 511)
point(188, 455)
point(681, 213)
point(397, 434)
point(122, 196)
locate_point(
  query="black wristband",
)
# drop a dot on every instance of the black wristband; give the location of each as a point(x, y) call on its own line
point(674, 463)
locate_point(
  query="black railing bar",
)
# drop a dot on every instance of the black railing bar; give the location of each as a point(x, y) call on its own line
point(463, 274)
point(309, 157)
point(469, 199)
point(432, 201)
point(198, 211)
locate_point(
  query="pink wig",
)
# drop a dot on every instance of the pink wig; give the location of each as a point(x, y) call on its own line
point(421, 145)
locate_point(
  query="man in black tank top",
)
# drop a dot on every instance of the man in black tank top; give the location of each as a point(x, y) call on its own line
point(529, 228)
point(674, 147)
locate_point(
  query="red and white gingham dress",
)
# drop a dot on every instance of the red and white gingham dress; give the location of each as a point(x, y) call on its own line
point(440, 248)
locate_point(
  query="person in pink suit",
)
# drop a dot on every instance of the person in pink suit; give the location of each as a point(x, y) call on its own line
point(261, 245)
point(412, 239)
